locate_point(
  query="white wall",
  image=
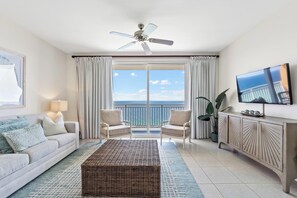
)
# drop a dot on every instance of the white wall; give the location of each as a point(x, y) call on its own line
point(45, 74)
point(271, 43)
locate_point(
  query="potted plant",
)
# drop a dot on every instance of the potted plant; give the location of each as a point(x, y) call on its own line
point(212, 113)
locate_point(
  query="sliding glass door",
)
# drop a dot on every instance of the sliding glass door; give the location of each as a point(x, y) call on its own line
point(166, 92)
point(130, 94)
point(147, 93)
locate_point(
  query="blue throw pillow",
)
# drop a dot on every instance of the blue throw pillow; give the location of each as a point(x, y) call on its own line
point(11, 121)
point(10, 125)
point(24, 138)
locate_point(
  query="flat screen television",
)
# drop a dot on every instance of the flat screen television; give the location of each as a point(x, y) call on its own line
point(271, 85)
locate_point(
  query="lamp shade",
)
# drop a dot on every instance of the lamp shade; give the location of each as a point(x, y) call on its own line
point(59, 105)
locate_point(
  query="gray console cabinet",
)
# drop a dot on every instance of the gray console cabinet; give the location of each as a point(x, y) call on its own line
point(271, 141)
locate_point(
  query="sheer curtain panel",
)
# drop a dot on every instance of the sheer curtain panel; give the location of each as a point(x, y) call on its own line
point(94, 92)
point(201, 75)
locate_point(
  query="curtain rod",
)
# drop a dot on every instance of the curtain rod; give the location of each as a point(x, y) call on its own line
point(155, 56)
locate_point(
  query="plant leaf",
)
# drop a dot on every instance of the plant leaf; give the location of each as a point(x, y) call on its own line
point(220, 98)
point(209, 108)
point(201, 97)
point(204, 117)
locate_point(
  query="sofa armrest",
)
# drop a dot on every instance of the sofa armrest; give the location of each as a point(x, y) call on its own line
point(73, 127)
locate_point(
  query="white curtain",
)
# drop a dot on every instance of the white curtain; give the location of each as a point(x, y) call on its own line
point(94, 92)
point(201, 78)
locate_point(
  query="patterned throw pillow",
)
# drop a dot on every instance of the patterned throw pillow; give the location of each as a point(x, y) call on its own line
point(10, 125)
point(24, 138)
point(53, 128)
point(13, 121)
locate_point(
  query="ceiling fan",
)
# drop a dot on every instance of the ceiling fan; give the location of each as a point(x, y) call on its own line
point(142, 36)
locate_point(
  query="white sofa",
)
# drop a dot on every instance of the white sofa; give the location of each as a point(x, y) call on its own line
point(16, 170)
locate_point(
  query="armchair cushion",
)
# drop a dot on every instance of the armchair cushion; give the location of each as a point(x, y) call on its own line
point(179, 117)
point(116, 130)
point(111, 117)
point(173, 130)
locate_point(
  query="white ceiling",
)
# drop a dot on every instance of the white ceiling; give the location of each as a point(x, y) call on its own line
point(83, 26)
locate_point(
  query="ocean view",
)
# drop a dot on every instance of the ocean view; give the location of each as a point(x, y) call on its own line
point(137, 112)
point(151, 102)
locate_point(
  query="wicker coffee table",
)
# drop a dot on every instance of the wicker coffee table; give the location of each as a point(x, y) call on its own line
point(123, 168)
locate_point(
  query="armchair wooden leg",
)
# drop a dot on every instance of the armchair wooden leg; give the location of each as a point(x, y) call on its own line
point(161, 137)
point(100, 138)
point(184, 138)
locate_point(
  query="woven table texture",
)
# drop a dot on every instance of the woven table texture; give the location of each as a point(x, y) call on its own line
point(125, 168)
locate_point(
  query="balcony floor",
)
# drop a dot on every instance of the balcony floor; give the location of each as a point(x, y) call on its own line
point(143, 133)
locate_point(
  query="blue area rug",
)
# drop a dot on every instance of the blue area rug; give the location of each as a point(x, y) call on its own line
point(64, 179)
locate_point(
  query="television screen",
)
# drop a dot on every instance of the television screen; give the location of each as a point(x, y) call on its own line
point(270, 85)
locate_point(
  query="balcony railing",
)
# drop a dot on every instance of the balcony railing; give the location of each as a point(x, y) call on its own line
point(137, 113)
point(261, 91)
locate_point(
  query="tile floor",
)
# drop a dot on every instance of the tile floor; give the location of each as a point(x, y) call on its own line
point(226, 173)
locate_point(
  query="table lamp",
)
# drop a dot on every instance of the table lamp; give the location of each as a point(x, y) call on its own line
point(58, 106)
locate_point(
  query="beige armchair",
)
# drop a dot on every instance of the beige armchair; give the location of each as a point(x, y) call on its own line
point(112, 124)
point(177, 126)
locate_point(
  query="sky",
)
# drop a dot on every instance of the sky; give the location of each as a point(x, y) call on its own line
point(165, 85)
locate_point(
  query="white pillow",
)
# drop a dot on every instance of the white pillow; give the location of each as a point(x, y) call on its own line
point(53, 128)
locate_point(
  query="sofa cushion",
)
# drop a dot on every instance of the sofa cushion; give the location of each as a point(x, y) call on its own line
point(7, 126)
point(24, 138)
point(63, 139)
point(179, 117)
point(111, 117)
point(10, 163)
point(53, 128)
point(41, 150)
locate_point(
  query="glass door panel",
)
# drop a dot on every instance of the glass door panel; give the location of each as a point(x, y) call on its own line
point(130, 94)
point(166, 92)
point(147, 93)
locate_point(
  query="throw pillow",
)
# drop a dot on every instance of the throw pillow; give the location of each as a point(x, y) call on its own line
point(53, 128)
point(7, 126)
point(111, 117)
point(13, 121)
point(179, 117)
point(24, 138)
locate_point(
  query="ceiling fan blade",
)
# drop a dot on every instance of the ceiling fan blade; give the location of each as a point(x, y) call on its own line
point(149, 28)
point(121, 34)
point(127, 45)
point(146, 48)
point(160, 41)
